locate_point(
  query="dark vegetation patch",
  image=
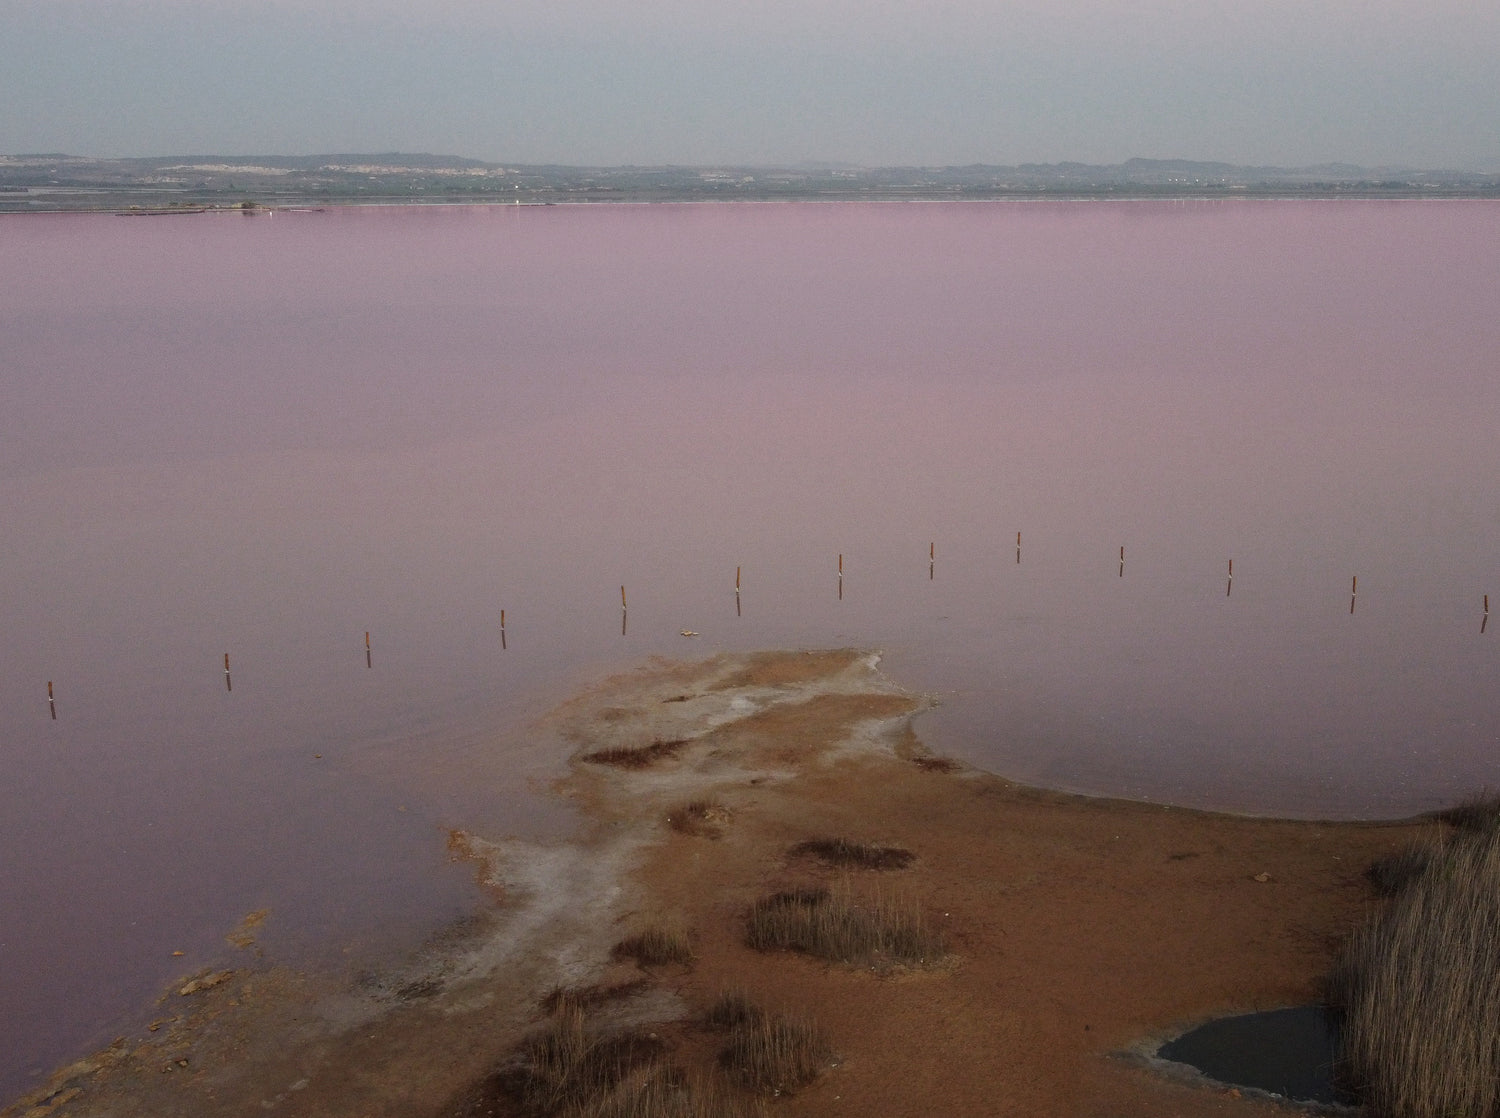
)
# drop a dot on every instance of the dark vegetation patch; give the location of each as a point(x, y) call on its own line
point(855, 855)
point(704, 818)
point(882, 932)
point(560, 998)
point(419, 989)
point(935, 764)
point(775, 1055)
point(1419, 985)
point(636, 757)
point(730, 1009)
point(654, 947)
point(1392, 873)
point(677, 699)
point(572, 1069)
point(1477, 813)
point(565, 1068)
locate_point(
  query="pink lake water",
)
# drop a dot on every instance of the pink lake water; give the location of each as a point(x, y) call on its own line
point(267, 435)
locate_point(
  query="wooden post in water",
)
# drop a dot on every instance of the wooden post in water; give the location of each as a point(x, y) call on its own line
point(737, 593)
point(624, 612)
point(841, 576)
point(1483, 624)
point(1018, 548)
point(228, 686)
point(1230, 588)
point(368, 663)
point(502, 630)
point(1122, 560)
point(51, 702)
point(1353, 591)
point(931, 559)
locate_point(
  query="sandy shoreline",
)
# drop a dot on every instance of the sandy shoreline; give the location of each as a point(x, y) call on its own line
point(1077, 929)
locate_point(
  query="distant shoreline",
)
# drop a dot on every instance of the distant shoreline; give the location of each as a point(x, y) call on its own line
point(52, 183)
point(122, 209)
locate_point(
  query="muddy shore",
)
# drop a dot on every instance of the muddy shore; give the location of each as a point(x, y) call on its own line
point(1076, 930)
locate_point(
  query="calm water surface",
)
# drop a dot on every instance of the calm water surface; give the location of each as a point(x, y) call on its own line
point(268, 435)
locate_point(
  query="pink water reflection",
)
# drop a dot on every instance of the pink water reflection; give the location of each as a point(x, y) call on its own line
point(269, 435)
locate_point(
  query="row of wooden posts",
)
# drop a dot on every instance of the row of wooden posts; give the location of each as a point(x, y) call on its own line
point(931, 573)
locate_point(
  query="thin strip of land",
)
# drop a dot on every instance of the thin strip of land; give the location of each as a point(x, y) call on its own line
point(784, 904)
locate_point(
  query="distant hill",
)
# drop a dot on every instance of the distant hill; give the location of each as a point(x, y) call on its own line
point(168, 183)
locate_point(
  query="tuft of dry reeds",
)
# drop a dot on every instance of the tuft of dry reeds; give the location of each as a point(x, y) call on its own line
point(565, 1068)
point(1477, 813)
point(730, 1009)
point(654, 947)
point(703, 818)
point(667, 1092)
point(637, 756)
point(1419, 986)
point(855, 855)
point(775, 1055)
point(885, 931)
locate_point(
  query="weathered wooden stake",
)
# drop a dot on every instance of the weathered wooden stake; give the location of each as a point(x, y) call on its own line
point(1122, 560)
point(1229, 589)
point(841, 576)
point(931, 559)
point(52, 703)
point(737, 612)
point(1353, 591)
point(1018, 547)
point(623, 603)
point(502, 631)
point(228, 686)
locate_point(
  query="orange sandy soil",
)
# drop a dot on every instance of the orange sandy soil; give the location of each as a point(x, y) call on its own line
point(1079, 930)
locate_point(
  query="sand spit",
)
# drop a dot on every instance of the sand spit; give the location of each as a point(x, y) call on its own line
point(1071, 929)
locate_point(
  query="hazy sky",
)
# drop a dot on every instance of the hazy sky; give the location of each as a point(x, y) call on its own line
point(1412, 82)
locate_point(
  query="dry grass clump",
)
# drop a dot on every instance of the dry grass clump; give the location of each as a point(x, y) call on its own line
point(885, 931)
point(1419, 987)
point(1392, 873)
point(637, 756)
point(855, 855)
point(1477, 813)
point(667, 1092)
point(774, 1055)
point(655, 947)
point(704, 818)
point(560, 998)
point(564, 1068)
point(567, 1071)
point(730, 1009)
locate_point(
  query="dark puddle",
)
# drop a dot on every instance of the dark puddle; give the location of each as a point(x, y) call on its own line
point(1286, 1052)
